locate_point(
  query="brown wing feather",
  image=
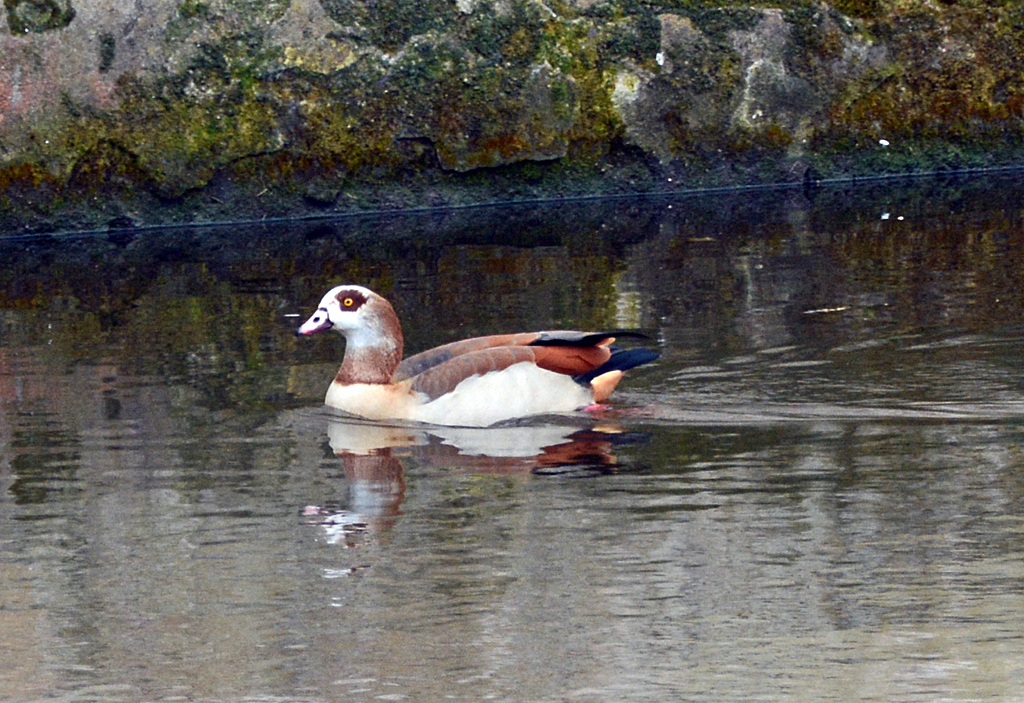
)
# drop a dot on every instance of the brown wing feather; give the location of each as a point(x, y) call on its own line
point(571, 361)
point(443, 377)
point(418, 363)
point(559, 339)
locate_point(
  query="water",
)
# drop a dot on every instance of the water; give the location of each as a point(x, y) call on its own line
point(816, 494)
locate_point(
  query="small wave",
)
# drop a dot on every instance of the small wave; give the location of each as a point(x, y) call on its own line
point(776, 413)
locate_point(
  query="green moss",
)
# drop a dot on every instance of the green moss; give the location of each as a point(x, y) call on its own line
point(389, 24)
point(181, 140)
point(573, 48)
point(859, 8)
point(511, 36)
point(635, 37)
point(946, 82)
point(22, 176)
point(717, 23)
point(193, 9)
point(348, 143)
point(38, 15)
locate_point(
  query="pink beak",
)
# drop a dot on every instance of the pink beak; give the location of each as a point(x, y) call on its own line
point(317, 323)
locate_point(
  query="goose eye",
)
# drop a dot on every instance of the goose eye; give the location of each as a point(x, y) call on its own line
point(348, 302)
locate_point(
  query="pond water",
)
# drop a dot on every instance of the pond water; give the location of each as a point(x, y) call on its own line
point(817, 493)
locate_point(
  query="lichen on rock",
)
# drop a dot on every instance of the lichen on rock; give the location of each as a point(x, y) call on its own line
point(38, 15)
point(294, 103)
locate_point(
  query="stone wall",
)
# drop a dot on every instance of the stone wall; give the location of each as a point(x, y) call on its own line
point(183, 110)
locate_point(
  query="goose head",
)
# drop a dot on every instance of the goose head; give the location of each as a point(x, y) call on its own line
point(373, 334)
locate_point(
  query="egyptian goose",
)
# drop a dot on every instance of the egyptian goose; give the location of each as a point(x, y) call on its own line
point(473, 383)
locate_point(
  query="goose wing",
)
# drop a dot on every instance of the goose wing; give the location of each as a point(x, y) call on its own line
point(444, 376)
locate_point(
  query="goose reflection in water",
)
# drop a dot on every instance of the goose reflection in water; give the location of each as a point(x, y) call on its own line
point(372, 456)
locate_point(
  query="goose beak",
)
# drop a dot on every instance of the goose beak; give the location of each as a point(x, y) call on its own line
point(317, 323)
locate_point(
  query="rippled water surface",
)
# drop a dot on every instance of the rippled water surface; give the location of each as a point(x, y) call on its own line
point(816, 494)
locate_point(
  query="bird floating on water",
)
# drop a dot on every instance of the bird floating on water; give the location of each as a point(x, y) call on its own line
point(475, 382)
